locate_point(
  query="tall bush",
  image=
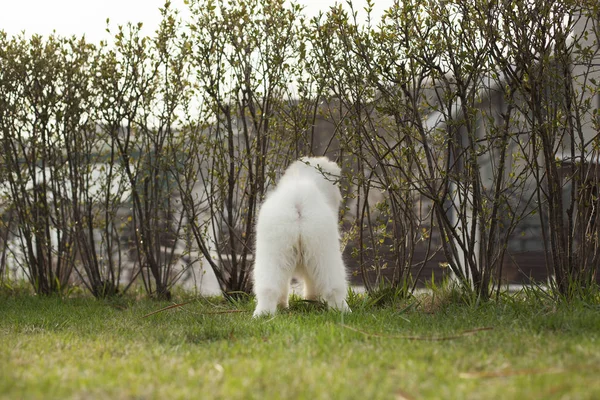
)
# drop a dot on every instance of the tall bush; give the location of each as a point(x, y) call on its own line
point(41, 106)
point(550, 57)
point(246, 55)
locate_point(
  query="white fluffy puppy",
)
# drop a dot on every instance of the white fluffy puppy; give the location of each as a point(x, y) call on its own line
point(297, 235)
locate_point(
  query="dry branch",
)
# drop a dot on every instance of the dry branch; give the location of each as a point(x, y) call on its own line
point(422, 338)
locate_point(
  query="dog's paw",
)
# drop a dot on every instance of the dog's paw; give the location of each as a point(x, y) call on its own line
point(344, 308)
point(261, 313)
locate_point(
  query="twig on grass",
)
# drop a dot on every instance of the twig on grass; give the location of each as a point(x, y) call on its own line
point(223, 312)
point(422, 338)
point(191, 301)
point(509, 373)
point(168, 308)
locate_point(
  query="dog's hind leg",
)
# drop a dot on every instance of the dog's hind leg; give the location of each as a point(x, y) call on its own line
point(284, 298)
point(271, 286)
point(310, 290)
point(325, 271)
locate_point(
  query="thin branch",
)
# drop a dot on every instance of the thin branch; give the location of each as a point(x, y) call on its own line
point(458, 335)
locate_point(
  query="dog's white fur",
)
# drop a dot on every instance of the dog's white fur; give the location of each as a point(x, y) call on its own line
point(297, 235)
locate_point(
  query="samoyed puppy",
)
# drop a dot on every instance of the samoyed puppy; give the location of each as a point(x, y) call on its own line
point(297, 235)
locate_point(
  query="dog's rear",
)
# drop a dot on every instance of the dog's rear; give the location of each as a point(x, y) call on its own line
point(297, 235)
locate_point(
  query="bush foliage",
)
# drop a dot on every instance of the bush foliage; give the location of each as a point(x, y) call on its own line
point(140, 159)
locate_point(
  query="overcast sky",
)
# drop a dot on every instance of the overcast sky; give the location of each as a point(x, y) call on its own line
point(88, 17)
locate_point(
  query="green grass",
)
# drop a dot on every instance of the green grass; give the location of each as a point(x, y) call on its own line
point(83, 348)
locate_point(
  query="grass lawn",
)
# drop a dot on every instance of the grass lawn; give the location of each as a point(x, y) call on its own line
point(83, 348)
